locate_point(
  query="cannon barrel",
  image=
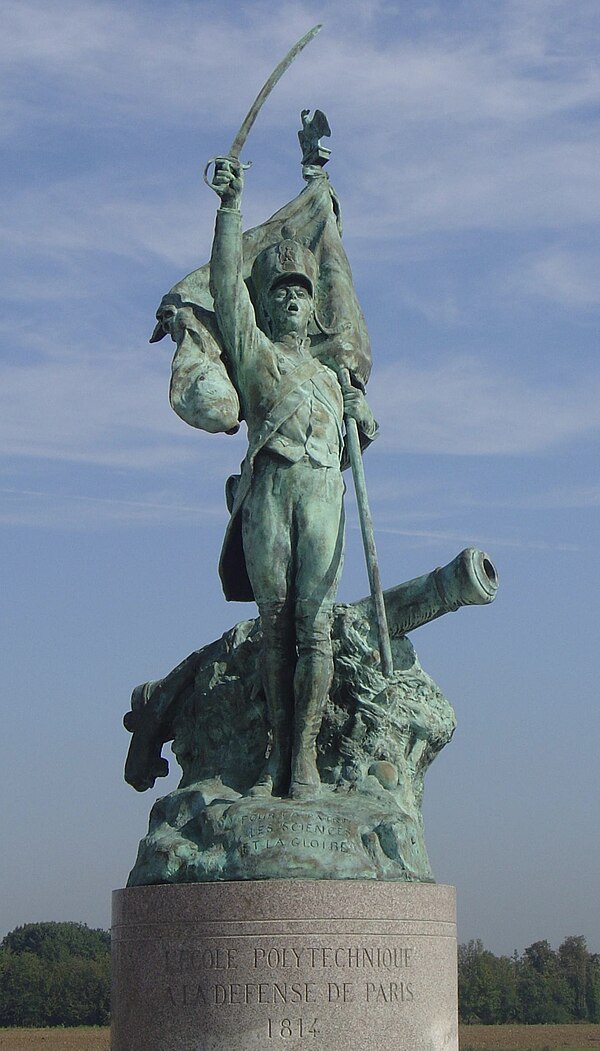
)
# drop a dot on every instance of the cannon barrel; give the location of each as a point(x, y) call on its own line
point(469, 580)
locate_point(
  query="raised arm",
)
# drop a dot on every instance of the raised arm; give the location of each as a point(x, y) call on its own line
point(233, 307)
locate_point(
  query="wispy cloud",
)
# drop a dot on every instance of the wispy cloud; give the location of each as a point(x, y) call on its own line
point(99, 408)
point(562, 275)
point(108, 212)
point(462, 408)
point(477, 124)
point(481, 123)
point(492, 541)
point(46, 509)
point(111, 410)
point(559, 498)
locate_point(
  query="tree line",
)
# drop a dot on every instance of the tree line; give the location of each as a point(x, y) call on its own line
point(59, 974)
point(55, 974)
point(538, 986)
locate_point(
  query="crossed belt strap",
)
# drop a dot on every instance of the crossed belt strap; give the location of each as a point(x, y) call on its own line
point(274, 414)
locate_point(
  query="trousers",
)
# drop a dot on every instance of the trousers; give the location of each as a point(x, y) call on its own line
point(293, 535)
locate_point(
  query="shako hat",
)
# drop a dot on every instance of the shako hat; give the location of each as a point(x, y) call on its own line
point(282, 262)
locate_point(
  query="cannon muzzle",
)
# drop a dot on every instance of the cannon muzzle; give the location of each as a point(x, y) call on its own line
point(469, 580)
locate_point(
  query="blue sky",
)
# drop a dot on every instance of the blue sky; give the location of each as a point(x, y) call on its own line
point(465, 153)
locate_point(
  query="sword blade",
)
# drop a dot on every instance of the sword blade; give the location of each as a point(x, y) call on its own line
point(237, 144)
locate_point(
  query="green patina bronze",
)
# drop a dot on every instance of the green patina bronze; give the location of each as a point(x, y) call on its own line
point(285, 324)
point(303, 736)
point(379, 735)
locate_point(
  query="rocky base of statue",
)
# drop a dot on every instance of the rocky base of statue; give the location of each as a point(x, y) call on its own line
point(207, 832)
point(378, 737)
point(251, 965)
point(364, 820)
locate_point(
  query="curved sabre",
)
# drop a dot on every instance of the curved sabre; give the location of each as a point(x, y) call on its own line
point(235, 149)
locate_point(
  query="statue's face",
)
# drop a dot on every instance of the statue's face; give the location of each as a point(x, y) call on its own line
point(290, 308)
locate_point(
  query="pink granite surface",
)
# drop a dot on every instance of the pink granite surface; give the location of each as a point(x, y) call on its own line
point(285, 964)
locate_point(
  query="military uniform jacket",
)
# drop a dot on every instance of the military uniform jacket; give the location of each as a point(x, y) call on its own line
point(291, 402)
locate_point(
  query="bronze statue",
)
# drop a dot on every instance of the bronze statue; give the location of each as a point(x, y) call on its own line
point(289, 500)
point(316, 710)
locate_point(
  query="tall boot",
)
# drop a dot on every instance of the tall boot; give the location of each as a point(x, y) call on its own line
point(278, 662)
point(312, 682)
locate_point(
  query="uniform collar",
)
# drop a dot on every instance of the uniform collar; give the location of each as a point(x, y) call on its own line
point(293, 342)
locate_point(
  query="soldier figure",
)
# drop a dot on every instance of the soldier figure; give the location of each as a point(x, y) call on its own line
point(288, 507)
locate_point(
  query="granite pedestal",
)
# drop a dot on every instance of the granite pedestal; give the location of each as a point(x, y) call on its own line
point(348, 965)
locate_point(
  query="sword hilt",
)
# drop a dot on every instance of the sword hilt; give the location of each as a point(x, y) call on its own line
point(219, 160)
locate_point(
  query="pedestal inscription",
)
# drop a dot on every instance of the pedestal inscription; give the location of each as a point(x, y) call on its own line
point(284, 964)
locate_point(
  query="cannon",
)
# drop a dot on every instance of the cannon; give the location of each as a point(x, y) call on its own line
point(470, 579)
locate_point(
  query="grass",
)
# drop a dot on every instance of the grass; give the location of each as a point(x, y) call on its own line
point(472, 1038)
point(79, 1039)
point(530, 1037)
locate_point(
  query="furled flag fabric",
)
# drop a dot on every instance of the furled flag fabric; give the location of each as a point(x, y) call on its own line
point(201, 389)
